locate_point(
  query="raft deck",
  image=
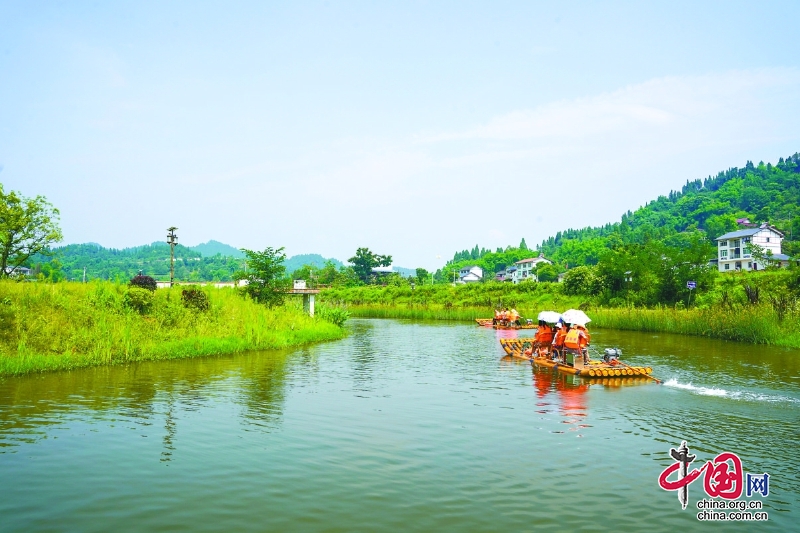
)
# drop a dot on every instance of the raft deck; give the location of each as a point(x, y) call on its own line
point(594, 369)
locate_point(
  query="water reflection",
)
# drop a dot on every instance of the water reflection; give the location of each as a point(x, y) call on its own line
point(144, 396)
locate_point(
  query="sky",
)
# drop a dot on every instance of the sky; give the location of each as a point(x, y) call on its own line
point(415, 129)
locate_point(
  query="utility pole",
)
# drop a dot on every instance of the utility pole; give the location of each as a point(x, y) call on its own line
point(172, 240)
point(84, 274)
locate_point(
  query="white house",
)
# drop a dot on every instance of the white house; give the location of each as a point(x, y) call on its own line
point(732, 252)
point(525, 268)
point(470, 274)
point(19, 271)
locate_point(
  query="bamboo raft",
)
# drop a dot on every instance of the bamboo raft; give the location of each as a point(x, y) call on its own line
point(488, 322)
point(594, 369)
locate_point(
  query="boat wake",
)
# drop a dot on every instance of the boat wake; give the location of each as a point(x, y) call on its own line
point(733, 395)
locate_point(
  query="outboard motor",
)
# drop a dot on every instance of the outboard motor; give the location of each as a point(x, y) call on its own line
point(611, 354)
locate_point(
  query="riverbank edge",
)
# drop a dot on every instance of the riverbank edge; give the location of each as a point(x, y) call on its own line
point(65, 326)
point(189, 348)
point(753, 325)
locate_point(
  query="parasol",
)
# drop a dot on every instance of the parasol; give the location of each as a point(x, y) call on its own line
point(550, 316)
point(575, 316)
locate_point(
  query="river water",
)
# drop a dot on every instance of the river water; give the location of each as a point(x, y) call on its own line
point(413, 426)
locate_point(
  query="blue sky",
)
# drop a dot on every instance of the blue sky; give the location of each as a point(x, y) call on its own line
point(415, 129)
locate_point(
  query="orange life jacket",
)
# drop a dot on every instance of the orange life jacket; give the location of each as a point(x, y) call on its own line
point(574, 340)
point(544, 335)
point(560, 334)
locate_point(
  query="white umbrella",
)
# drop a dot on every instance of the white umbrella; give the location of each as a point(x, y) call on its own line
point(575, 316)
point(550, 316)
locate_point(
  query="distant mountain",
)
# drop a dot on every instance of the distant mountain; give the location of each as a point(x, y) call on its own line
point(212, 248)
point(405, 272)
point(298, 261)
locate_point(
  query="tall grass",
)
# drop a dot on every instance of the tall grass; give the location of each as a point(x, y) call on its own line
point(487, 296)
point(757, 324)
point(47, 327)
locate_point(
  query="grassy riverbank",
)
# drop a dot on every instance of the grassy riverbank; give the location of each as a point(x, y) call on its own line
point(735, 320)
point(758, 324)
point(46, 327)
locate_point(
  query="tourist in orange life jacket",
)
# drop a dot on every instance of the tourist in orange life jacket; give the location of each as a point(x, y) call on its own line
point(504, 317)
point(558, 341)
point(577, 340)
point(543, 338)
point(497, 317)
point(513, 317)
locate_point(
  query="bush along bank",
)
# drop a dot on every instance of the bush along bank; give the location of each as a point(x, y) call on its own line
point(444, 301)
point(45, 327)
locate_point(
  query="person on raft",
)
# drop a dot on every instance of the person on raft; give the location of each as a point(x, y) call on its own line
point(513, 317)
point(558, 341)
point(543, 339)
point(577, 341)
point(498, 317)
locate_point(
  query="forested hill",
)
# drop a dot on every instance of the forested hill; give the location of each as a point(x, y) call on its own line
point(68, 262)
point(762, 193)
point(710, 207)
point(212, 248)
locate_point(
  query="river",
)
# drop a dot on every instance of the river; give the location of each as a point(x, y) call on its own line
point(412, 426)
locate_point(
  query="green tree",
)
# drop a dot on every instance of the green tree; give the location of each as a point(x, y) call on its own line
point(546, 272)
point(364, 261)
point(27, 226)
point(422, 275)
point(266, 276)
point(582, 280)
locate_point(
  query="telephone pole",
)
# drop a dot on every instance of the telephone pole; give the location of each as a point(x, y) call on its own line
point(172, 240)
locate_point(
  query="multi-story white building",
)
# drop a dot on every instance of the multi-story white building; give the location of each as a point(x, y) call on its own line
point(525, 268)
point(733, 252)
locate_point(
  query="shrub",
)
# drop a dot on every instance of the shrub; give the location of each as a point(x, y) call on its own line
point(335, 315)
point(144, 282)
point(194, 299)
point(139, 299)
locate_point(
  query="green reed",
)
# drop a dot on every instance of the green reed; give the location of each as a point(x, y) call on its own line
point(61, 326)
point(757, 324)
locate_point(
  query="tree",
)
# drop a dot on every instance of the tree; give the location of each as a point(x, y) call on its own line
point(581, 280)
point(27, 226)
point(364, 261)
point(546, 272)
point(422, 275)
point(265, 276)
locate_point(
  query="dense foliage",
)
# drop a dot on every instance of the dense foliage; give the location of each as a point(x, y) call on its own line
point(648, 257)
point(144, 282)
point(265, 276)
point(365, 260)
point(762, 193)
point(27, 227)
point(191, 263)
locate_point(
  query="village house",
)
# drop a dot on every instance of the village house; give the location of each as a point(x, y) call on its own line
point(734, 254)
point(524, 270)
point(20, 271)
point(470, 274)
